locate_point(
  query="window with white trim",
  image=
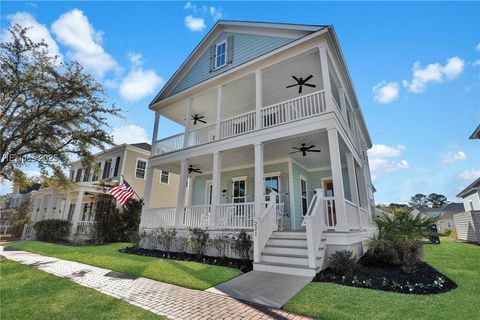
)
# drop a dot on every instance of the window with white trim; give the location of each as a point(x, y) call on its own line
point(220, 54)
point(164, 177)
point(140, 168)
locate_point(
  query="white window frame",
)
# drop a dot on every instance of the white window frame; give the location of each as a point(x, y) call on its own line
point(136, 167)
point(160, 179)
point(224, 54)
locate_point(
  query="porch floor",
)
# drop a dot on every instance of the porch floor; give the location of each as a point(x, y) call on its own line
point(267, 288)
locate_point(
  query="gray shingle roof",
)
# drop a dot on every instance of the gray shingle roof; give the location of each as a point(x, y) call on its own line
point(142, 145)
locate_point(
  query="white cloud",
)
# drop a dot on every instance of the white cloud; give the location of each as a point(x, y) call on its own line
point(139, 83)
point(37, 33)
point(434, 73)
point(129, 134)
point(453, 157)
point(386, 92)
point(194, 24)
point(380, 163)
point(216, 13)
point(470, 175)
point(75, 31)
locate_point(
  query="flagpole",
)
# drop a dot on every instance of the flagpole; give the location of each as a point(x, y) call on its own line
point(133, 190)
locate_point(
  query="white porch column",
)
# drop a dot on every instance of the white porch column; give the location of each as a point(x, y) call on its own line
point(48, 214)
point(181, 192)
point(67, 206)
point(78, 210)
point(218, 119)
point(188, 116)
point(155, 134)
point(326, 76)
point(259, 183)
point(258, 99)
point(216, 186)
point(336, 165)
point(40, 212)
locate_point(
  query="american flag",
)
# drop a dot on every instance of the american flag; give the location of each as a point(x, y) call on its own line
point(122, 192)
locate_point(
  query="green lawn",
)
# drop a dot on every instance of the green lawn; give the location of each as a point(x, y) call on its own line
point(28, 293)
point(186, 274)
point(460, 262)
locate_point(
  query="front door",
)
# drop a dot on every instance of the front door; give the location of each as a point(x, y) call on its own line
point(272, 184)
point(328, 192)
point(239, 191)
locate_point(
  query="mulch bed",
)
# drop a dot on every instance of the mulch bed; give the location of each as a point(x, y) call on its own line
point(426, 280)
point(244, 266)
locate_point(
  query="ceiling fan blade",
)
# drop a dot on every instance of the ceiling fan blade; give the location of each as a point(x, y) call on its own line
point(293, 85)
point(308, 78)
point(300, 89)
point(296, 79)
point(314, 150)
point(310, 85)
point(202, 121)
point(194, 122)
point(304, 153)
point(312, 146)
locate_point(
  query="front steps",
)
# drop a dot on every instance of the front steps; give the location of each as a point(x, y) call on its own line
point(286, 252)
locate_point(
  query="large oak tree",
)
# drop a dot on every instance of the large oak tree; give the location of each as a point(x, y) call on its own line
point(51, 111)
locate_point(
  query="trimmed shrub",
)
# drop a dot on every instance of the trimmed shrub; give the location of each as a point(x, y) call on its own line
point(198, 240)
point(221, 243)
point(241, 244)
point(343, 263)
point(52, 229)
point(181, 244)
point(166, 237)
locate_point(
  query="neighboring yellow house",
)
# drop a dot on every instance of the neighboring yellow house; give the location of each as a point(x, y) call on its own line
point(77, 204)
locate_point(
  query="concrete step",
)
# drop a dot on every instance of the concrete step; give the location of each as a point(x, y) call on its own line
point(287, 242)
point(293, 259)
point(285, 269)
point(289, 234)
point(286, 250)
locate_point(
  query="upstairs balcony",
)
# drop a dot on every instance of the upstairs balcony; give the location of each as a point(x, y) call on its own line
point(268, 98)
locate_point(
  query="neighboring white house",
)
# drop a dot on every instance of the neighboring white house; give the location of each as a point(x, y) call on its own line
point(444, 214)
point(11, 203)
point(77, 204)
point(274, 143)
point(468, 222)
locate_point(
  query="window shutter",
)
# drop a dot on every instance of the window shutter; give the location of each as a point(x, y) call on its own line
point(230, 49)
point(212, 58)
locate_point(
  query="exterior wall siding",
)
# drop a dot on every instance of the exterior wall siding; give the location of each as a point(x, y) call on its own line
point(475, 198)
point(468, 226)
point(246, 47)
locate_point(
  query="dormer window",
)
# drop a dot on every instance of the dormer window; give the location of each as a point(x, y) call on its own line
point(220, 54)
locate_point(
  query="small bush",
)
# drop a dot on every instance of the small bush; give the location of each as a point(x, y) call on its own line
point(166, 237)
point(454, 234)
point(343, 263)
point(52, 229)
point(447, 232)
point(221, 242)
point(198, 240)
point(181, 244)
point(241, 244)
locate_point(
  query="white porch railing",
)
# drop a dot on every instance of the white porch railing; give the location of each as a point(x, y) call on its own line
point(85, 227)
point(28, 232)
point(237, 125)
point(353, 216)
point(201, 136)
point(314, 221)
point(330, 213)
point(169, 144)
point(235, 215)
point(196, 216)
point(294, 109)
point(264, 226)
point(158, 217)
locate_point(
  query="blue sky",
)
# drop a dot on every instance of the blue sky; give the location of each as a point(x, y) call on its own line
point(415, 67)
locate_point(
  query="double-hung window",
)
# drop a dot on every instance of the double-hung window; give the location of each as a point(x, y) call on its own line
point(141, 169)
point(220, 54)
point(164, 177)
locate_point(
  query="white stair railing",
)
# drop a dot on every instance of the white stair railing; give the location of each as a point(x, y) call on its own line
point(264, 226)
point(314, 220)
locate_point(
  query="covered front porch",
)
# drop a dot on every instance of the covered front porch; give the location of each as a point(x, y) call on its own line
point(225, 186)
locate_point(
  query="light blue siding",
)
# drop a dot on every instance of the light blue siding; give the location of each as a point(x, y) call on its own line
point(246, 47)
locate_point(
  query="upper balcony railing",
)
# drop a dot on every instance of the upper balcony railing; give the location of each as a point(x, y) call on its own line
point(277, 114)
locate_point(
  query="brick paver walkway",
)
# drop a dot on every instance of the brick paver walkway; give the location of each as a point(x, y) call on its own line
point(158, 297)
